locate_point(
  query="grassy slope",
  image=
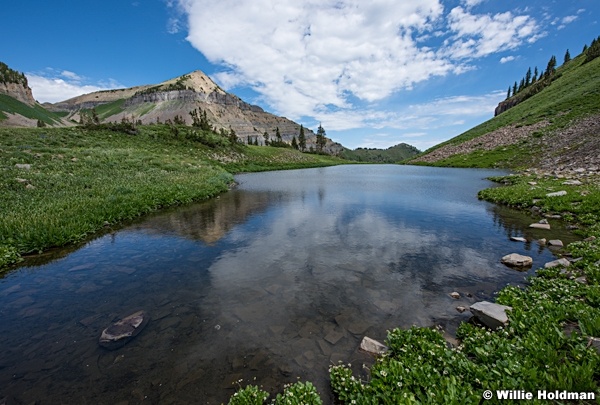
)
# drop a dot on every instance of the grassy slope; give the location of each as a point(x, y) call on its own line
point(79, 179)
point(37, 112)
point(575, 94)
point(108, 109)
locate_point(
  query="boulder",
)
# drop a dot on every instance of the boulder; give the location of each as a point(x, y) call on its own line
point(491, 315)
point(555, 263)
point(517, 260)
point(455, 295)
point(122, 331)
point(555, 242)
point(572, 183)
point(557, 194)
point(23, 166)
point(540, 226)
point(372, 346)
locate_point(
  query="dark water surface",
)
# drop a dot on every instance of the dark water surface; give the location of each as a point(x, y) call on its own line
point(272, 281)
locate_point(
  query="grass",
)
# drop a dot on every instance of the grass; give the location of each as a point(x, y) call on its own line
point(80, 179)
point(106, 110)
point(37, 112)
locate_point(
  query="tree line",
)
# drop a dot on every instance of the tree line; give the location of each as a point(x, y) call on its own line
point(7, 75)
point(591, 52)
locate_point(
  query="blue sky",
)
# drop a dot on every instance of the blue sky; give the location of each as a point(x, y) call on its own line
point(374, 73)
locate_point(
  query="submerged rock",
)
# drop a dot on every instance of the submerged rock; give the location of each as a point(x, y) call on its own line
point(517, 260)
point(540, 226)
point(122, 331)
point(491, 315)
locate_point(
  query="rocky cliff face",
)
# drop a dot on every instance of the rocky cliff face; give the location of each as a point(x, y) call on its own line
point(18, 91)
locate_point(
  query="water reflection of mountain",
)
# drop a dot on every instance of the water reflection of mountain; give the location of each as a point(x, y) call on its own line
point(516, 223)
point(209, 221)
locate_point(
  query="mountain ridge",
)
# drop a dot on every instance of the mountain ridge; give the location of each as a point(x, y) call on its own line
point(173, 101)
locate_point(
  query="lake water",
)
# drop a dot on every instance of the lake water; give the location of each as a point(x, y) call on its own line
point(273, 281)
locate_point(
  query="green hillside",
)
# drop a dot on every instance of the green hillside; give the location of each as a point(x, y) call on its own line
point(573, 94)
point(37, 112)
point(393, 154)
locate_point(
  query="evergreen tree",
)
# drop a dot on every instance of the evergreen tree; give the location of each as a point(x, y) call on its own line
point(551, 67)
point(294, 142)
point(232, 136)
point(535, 75)
point(593, 51)
point(266, 136)
point(278, 135)
point(321, 140)
point(567, 57)
point(521, 85)
point(515, 88)
point(508, 93)
point(528, 77)
point(302, 139)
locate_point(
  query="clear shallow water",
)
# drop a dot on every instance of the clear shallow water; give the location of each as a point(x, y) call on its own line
point(272, 281)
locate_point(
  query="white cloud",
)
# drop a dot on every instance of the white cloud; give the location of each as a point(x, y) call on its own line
point(566, 20)
point(477, 36)
point(305, 55)
point(70, 75)
point(53, 87)
point(471, 3)
point(335, 59)
point(173, 25)
point(506, 59)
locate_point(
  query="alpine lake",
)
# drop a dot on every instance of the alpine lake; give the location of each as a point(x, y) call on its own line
point(266, 284)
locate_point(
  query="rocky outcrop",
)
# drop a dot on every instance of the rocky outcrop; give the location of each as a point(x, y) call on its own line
point(18, 91)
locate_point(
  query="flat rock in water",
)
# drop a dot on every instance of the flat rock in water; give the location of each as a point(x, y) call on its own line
point(122, 331)
point(555, 242)
point(517, 260)
point(518, 239)
point(372, 346)
point(491, 315)
point(557, 194)
point(556, 263)
point(540, 226)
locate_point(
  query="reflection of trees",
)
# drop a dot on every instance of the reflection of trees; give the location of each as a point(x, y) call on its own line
point(211, 220)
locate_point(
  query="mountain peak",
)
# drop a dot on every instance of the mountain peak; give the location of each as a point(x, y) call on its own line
point(197, 81)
